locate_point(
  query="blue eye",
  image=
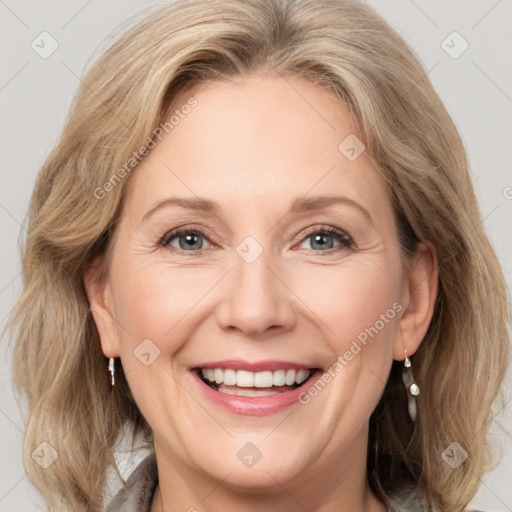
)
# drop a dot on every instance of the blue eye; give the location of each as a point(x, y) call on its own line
point(322, 240)
point(187, 240)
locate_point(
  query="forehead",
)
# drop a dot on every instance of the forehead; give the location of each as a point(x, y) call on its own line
point(258, 141)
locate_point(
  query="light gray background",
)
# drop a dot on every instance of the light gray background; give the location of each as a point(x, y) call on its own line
point(35, 94)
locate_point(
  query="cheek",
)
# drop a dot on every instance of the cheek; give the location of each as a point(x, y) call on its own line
point(155, 308)
point(154, 300)
point(355, 301)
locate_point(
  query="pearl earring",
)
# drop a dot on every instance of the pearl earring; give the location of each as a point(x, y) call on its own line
point(111, 370)
point(412, 388)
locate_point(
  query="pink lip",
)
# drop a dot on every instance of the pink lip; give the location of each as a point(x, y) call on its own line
point(252, 405)
point(258, 366)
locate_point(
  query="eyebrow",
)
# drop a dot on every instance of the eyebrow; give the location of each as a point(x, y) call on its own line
point(198, 204)
point(299, 205)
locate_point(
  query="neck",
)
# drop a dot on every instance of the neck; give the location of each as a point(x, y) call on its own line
point(338, 486)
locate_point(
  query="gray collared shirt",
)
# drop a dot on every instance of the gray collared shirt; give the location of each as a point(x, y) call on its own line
point(137, 494)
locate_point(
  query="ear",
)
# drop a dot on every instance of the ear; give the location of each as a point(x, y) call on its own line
point(100, 299)
point(418, 299)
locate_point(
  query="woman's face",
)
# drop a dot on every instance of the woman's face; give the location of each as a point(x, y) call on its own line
point(287, 259)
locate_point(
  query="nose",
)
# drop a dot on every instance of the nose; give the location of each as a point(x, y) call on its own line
point(256, 298)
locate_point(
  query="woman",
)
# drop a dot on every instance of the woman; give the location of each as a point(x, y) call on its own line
point(259, 219)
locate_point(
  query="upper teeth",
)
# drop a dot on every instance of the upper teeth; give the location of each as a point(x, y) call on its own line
point(248, 379)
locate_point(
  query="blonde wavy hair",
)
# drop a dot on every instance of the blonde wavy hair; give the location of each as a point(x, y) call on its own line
point(344, 46)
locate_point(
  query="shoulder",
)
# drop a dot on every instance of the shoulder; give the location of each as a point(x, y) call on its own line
point(408, 501)
point(137, 493)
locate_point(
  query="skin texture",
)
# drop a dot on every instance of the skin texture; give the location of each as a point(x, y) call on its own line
point(255, 145)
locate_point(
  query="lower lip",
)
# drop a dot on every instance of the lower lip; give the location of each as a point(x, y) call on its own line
point(256, 405)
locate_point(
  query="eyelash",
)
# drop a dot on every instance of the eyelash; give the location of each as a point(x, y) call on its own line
point(342, 237)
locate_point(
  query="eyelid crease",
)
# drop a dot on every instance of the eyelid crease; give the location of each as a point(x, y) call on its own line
point(343, 237)
point(325, 229)
point(174, 233)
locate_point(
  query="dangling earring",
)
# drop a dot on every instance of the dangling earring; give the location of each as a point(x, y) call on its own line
point(412, 388)
point(111, 370)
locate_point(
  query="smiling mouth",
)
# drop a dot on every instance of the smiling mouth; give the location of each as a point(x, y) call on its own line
point(254, 384)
